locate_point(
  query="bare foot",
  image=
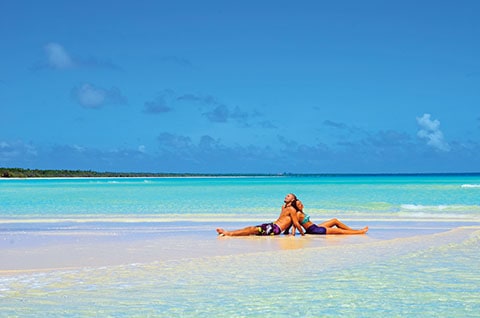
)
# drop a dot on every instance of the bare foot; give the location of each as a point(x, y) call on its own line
point(221, 232)
point(365, 229)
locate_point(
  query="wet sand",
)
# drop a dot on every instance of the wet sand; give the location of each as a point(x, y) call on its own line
point(63, 246)
point(399, 269)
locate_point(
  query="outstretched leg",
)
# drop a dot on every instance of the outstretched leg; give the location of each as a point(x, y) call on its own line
point(336, 230)
point(335, 222)
point(251, 230)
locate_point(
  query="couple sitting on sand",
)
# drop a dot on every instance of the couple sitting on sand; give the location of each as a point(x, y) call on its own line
point(292, 214)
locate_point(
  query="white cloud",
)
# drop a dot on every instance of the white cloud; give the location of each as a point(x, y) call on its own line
point(430, 131)
point(90, 96)
point(57, 56)
point(78, 148)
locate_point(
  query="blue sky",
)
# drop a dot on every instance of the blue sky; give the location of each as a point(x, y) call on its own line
point(241, 86)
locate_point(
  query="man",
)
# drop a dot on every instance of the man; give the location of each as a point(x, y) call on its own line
point(287, 216)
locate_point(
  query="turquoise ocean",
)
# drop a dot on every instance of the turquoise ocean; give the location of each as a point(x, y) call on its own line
point(420, 257)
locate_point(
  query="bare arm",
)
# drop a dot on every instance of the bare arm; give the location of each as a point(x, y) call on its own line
point(296, 224)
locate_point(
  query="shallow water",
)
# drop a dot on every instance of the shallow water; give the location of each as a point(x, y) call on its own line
point(428, 275)
point(118, 250)
point(382, 196)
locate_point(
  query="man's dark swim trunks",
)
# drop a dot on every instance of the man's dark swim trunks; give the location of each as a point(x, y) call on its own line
point(268, 229)
point(315, 229)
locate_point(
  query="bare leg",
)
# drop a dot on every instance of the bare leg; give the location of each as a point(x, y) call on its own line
point(251, 230)
point(339, 231)
point(335, 222)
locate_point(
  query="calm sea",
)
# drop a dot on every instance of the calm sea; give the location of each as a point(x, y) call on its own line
point(416, 272)
point(439, 196)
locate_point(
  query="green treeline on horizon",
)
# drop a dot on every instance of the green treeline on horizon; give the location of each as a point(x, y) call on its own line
point(38, 173)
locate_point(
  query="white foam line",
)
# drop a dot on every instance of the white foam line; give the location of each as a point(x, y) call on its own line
point(470, 185)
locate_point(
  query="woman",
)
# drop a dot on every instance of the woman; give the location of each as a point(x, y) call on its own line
point(332, 226)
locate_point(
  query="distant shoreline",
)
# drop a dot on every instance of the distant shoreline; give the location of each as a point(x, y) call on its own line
point(20, 173)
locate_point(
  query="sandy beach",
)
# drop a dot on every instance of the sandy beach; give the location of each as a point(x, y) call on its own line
point(196, 273)
point(95, 244)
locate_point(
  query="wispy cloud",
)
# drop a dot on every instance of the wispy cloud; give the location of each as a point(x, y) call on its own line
point(16, 151)
point(208, 99)
point(58, 58)
point(157, 106)
point(356, 139)
point(163, 103)
point(220, 113)
point(208, 107)
point(343, 128)
point(96, 63)
point(384, 151)
point(181, 153)
point(267, 124)
point(174, 142)
point(91, 96)
point(430, 131)
point(345, 135)
point(333, 124)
